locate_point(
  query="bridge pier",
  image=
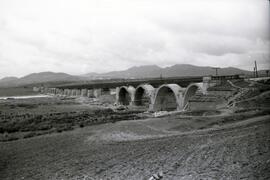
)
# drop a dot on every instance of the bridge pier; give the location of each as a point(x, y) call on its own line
point(90, 93)
point(66, 92)
point(97, 93)
point(207, 83)
point(69, 92)
point(84, 92)
point(73, 92)
point(112, 91)
point(105, 91)
point(78, 92)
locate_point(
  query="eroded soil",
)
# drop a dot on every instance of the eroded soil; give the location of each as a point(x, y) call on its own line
point(236, 151)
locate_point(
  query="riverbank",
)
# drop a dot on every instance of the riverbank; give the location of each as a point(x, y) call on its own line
point(28, 117)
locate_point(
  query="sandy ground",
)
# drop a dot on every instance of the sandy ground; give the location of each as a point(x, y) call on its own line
point(137, 149)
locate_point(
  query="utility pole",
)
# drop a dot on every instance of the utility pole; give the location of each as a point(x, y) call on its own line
point(216, 68)
point(256, 70)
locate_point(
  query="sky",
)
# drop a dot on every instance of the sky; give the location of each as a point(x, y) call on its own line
point(82, 36)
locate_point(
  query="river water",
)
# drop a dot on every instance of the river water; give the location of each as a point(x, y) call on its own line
point(24, 97)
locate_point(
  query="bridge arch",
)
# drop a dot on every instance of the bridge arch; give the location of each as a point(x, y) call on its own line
point(191, 91)
point(126, 95)
point(144, 95)
point(168, 97)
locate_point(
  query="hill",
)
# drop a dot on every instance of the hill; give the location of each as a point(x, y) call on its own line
point(137, 72)
point(148, 71)
point(8, 79)
point(42, 77)
point(172, 71)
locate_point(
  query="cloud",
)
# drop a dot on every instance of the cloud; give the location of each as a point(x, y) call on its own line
point(100, 35)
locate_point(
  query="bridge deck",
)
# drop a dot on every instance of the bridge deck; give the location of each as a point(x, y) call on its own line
point(113, 83)
point(155, 82)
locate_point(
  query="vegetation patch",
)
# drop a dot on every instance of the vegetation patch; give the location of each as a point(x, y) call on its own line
point(32, 117)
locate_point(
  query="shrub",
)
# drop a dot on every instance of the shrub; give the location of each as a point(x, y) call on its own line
point(12, 138)
point(28, 135)
point(64, 127)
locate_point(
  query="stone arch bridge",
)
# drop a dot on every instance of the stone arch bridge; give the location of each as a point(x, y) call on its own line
point(150, 95)
point(167, 97)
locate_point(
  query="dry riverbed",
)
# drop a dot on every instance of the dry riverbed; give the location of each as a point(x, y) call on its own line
point(227, 144)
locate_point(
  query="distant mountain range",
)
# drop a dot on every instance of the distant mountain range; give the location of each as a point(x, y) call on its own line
point(148, 71)
point(172, 71)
